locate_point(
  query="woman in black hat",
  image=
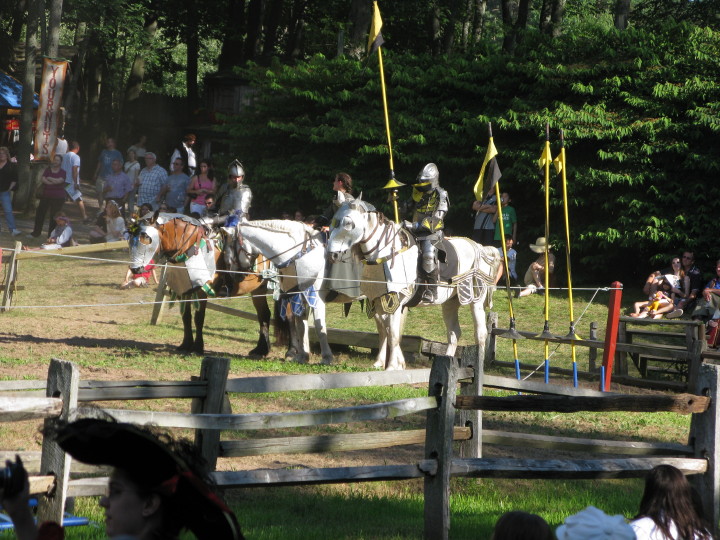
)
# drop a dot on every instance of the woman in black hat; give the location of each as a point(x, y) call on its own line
point(157, 489)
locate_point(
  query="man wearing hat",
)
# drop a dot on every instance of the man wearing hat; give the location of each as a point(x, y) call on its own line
point(536, 271)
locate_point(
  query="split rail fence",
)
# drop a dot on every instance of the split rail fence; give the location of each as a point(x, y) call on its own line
point(450, 416)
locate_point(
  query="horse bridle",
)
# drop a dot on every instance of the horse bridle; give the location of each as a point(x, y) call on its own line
point(387, 236)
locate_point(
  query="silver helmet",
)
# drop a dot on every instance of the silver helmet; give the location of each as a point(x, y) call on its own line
point(236, 169)
point(429, 178)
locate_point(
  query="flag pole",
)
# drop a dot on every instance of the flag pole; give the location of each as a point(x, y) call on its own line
point(546, 158)
point(375, 41)
point(512, 331)
point(572, 336)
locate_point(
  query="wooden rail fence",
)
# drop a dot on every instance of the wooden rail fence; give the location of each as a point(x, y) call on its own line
point(451, 415)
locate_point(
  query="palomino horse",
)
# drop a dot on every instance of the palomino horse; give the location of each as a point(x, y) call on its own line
point(297, 252)
point(183, 242)
point(389, 275)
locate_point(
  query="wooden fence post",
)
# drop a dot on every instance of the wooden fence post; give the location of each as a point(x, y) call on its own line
point(439, 446)
point(160, 304)
point(215, 372)
point(472, 357)
point(611, 333)
point(491, 341)
point(63, 381)
point(10, 278)
point(592, 351)
point(705, 438)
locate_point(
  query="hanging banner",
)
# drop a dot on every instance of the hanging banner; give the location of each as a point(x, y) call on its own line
point(48, 113)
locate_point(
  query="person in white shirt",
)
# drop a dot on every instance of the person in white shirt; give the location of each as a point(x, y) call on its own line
point(186, 153)
point(667, 509)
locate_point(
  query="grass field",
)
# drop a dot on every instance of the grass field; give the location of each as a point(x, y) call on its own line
point(72, 309)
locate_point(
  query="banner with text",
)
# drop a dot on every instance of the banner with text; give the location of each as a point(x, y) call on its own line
point(48, 114)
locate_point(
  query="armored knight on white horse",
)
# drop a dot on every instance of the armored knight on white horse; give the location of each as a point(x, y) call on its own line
point(460, 271)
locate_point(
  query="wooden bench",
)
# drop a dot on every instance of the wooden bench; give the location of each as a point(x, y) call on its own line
point(660, 347)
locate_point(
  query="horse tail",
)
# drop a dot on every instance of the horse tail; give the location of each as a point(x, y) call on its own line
point(281, 326)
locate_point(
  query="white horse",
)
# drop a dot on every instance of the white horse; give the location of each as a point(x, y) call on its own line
point(390, 254)
point(297, 252)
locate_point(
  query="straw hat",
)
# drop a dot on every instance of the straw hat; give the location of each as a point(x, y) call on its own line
point(539, 245)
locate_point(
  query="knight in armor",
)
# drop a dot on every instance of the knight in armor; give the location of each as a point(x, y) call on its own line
point(233, 204)
point(234, 197)
point(429, 204)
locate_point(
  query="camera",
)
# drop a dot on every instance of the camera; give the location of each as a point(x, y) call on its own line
point(12, 477)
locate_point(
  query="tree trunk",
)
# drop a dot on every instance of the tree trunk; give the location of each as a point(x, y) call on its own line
point(54, 28)
point(18, 20)
point(509, 8)
point(558, 12)
point(254, 30)
point(296, 30)
point(479, 23)
point(25, 187)
point(191, 71)
point(514, 31)
point(81, 42)
point(273, 16)
point(232, 46)
point(449, 37)
point(137, 74)
point(622, 10)
point(545, 16)
point(93, 81)
point(358, 24)
point(435, 31)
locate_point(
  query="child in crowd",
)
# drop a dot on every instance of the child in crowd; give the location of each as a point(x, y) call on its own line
point(594, 524)
point(141, 279)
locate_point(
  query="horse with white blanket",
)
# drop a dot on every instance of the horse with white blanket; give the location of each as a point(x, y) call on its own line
point(389, 278)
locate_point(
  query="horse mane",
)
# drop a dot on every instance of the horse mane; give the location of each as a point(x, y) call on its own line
point(296, 229)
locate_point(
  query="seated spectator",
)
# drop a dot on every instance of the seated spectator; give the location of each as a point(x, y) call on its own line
point(536, 271)
point(687, 260)
point(710, 301)
point(60, 237)
point(679, 285)
point(667, 510)
point(140, 279)
point(653, 308)
point(594, 524)
point(111, 225)
point(158, 487)
point(521, 526)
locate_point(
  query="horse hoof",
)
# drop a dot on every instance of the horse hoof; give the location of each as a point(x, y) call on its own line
point(184, 349)
point(302, 359)
point(326, 361)
point(380, 364)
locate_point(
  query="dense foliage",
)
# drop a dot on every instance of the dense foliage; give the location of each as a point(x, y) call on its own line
point(640, 110)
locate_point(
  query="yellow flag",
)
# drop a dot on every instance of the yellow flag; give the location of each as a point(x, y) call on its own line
point(375, 39)
point(490, 154)
point(545, 157)
point(558, 162)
